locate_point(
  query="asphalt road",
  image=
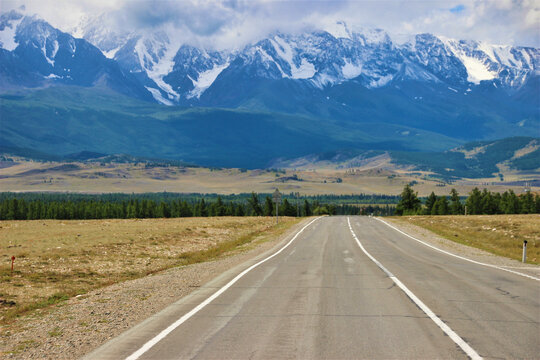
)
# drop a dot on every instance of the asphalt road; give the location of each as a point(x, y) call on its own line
point(323, 297)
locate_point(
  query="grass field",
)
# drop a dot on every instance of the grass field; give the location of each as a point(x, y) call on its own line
point(499, 234)
point(377, 177)
point(56, 260)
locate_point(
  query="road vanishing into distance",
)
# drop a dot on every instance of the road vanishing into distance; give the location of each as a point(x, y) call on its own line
point(346, 288)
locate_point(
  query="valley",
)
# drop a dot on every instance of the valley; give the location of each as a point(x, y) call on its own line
point(377, 175)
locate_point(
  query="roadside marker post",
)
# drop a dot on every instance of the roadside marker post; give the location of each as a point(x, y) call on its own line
point(524, 257)
point(12, 261)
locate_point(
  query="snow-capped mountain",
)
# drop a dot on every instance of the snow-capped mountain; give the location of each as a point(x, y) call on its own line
point(161, 64)
point(182, 73)
point(34, 54)
point(335, 88)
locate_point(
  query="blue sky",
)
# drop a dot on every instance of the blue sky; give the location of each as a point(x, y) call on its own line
point(457, 9)
point(232, 23)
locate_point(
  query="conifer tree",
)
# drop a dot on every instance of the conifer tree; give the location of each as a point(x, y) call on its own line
point(474, 202)
point(268, 206)
point(306, 211)
point(430, 201)
point(456, 208)
point(409, 202)
point(255, 205)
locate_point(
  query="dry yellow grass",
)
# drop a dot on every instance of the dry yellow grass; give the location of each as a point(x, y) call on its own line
point(377, 178)
point(499, 234)
point(59, 259)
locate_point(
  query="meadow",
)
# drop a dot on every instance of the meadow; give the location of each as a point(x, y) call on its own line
point(498, 234)
point(376, 177)
point(56, 260)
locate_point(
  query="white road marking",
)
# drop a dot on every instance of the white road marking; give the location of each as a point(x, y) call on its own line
point(447, 330)
point(199, 307)
point(457, 256)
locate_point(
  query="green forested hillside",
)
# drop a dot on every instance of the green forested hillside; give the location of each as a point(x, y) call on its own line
point(67, 120)
point(482, 159)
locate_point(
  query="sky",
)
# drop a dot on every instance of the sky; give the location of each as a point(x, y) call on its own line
point(234, 23)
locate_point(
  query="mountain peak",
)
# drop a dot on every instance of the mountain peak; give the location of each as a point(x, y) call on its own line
point(177, 72)
point(339, 30)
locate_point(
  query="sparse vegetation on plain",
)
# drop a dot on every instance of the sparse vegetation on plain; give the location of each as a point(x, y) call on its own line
point(55, 260)
point(499, 234)
point(378, 176)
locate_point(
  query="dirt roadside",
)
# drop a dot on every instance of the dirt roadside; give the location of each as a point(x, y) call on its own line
point(71, 329)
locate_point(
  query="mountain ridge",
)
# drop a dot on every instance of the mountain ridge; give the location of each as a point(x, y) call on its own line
point(285, 96)
point(174, 72)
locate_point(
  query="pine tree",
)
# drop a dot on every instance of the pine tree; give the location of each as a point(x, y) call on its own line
point(456, 208)
point(286, 209)
point(268, 206)
point(430, 201)
point(440, 207)
point(409, 202)
point(489, 203)
point(527, 203)
point(474, 202)
point(240, 210)
point(255, 205)
point(203, 211)
point(306, 209)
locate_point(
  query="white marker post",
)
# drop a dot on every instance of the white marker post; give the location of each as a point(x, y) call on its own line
point(524, 258)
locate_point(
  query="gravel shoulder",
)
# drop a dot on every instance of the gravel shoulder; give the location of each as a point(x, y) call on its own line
point(74, 328)
point(463, 250)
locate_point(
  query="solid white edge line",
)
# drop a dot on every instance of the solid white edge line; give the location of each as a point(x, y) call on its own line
point(457, 256)
point(445, 328)
point(148, 345)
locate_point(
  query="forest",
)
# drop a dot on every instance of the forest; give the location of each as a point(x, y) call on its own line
point(34, 206)
point(476, 203)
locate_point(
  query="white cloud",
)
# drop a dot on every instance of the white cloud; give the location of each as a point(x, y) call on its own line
point(232, 23)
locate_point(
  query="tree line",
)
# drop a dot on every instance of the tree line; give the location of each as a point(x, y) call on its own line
point(476, 203)
point(98, 207)
point(352, 199)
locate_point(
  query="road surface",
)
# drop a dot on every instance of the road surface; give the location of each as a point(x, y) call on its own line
point(323, 297)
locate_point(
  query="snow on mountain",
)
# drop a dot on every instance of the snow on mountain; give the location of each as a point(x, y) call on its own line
point(487, 62)
point(338, 30)
point(175, 72)
point(298, 67)
point(155, 54)
point(99, 31)
point(323, 59)
point(36, 54)
point(194, 70)
point(337, 54)
point(205, 79)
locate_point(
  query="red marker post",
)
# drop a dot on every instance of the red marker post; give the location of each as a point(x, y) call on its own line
point(12, 261)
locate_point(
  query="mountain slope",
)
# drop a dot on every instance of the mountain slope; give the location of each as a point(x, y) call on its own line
point(322, 58)
point(71, 119)
point(34, 54)
point(477, 159)
point(287, 95)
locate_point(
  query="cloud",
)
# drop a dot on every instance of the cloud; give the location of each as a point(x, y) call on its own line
point(233, 23)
